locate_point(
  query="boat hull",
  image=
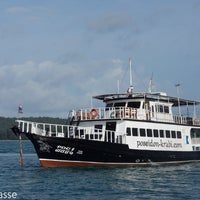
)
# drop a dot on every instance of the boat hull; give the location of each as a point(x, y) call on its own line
point(62, 152)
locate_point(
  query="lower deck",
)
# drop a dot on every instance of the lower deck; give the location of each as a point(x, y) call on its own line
point(149, 135)
point(139, 135)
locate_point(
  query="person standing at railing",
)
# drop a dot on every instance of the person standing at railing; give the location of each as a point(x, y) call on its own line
point(130, 91)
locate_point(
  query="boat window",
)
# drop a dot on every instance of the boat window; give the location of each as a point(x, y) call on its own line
point(134, 104)
point(155, 133)
point(195, 133)
point(161, 108)
point(159, 133)
point(167, 134)
point(162, 133)
point(96, 136)
point(134, 131)
point(179, 134)
point(91, 137)
point(128, 131)
point(87, 136)
point(166, 109)
point(142, 132)
point(149, 133)
point(109, 105)
point(81, 132)
point(98, 128)
point(173, 134)
point(120, 104)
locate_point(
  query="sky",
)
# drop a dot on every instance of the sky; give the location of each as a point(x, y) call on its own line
point(56, 55)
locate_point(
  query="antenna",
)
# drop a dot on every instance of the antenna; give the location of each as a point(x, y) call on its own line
point(151, 84)
point(118, 86)
point(178, 94)
point(131, 78)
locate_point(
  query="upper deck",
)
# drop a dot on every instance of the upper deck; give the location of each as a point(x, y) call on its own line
point(141, 106)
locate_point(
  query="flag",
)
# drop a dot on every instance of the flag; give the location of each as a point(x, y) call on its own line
point(20, 109)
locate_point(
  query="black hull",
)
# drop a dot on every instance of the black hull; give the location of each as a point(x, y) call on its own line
point(58, 152)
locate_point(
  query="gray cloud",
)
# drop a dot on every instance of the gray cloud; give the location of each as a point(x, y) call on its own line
point(18, 9)
point(111, 22)
point(50, 88)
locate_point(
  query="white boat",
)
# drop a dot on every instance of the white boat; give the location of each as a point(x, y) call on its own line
point(133, 129)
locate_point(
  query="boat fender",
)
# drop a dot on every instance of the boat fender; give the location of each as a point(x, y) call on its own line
point(94, 113)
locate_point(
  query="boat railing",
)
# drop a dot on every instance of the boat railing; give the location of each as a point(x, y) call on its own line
point(129, 113)
point(104, 113)
point(70, 131)
point(186, 120)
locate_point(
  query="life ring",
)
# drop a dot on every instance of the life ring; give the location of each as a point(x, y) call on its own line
point(94, 113)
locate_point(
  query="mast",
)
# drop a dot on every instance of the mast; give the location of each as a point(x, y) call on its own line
point(130, 89)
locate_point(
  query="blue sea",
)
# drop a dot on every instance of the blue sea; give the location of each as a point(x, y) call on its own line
point(35, 182)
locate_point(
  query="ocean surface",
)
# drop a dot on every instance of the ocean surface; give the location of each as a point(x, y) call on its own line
point(35, 182)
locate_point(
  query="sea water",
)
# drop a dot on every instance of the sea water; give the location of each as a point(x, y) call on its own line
point(35, 182)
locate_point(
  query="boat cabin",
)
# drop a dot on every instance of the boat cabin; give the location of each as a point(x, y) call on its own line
point(140, 106)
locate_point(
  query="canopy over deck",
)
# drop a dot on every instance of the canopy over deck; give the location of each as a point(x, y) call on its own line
point(148, 96)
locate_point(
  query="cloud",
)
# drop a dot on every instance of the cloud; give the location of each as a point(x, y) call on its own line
point(52, 89)
point(117, 29)
point(111, 22)
point(18, 9)
point(39, 86)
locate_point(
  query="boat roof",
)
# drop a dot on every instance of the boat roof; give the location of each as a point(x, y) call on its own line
point(159, 96)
